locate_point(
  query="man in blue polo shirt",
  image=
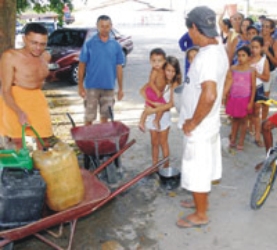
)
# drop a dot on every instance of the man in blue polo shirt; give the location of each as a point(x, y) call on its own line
point(101, 61)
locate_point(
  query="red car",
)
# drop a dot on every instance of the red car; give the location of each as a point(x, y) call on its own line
point(65, 45)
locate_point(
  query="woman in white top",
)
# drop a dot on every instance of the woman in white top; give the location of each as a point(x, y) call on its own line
point(159, 138)
point(261, 65)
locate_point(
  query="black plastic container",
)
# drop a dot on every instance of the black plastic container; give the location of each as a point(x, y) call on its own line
point(22, 195)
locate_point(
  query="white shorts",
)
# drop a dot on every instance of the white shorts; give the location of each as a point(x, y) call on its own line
point(165, 121)
point(202, 163)
point(267, 85)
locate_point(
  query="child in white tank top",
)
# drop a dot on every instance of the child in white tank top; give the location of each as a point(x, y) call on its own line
point(261, 65)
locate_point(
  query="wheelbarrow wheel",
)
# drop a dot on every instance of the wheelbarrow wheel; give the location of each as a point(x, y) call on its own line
point(86, 161)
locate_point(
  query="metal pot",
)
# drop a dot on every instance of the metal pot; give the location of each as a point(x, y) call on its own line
point(169, 177)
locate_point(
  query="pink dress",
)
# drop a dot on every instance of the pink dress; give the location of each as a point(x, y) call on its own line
point(152, 96)
point(240, 94)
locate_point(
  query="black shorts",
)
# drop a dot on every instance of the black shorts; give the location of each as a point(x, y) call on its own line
point(260, 93)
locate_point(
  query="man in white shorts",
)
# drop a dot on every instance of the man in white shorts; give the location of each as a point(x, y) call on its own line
point(200, 114)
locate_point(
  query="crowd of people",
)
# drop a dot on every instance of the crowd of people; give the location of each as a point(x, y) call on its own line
point(260, 47)
point(240, 72)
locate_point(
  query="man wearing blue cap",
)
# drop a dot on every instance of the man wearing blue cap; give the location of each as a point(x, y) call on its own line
point(200, 115)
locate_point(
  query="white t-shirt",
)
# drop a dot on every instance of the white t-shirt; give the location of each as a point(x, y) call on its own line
point(259, 66)
point(210, 64)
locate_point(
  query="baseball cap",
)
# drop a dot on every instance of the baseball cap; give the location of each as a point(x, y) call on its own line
point(205, 20)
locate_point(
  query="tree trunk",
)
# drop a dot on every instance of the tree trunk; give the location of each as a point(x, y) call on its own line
point(7, 24)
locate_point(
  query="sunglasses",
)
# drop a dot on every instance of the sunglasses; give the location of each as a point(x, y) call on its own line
point(266, 26)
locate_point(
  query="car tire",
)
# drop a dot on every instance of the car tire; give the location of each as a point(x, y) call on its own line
point(74, 74)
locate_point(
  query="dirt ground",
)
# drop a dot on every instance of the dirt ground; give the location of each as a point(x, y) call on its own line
point(144, 217)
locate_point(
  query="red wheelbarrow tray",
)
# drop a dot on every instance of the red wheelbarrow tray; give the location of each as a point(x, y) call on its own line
point(97, 194)
point(101, 139)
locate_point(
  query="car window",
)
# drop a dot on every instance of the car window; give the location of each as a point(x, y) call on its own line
point(91, 32)
point(50, 26)
point(67, 38)
point(115, 33)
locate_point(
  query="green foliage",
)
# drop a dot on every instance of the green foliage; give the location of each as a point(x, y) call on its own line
point(254, 18)
point(41, 6)
point(21, 5)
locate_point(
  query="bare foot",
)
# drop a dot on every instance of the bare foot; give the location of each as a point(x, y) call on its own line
point(142, 128)
point(156, 124)
point(259, 143)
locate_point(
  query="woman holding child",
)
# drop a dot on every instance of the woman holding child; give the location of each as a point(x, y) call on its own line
point(159, 136)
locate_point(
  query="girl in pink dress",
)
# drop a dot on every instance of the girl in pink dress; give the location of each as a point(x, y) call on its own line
point(239, 91)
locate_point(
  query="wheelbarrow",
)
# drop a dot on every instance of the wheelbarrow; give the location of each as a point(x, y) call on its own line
point(98, 142)
point(96, 195)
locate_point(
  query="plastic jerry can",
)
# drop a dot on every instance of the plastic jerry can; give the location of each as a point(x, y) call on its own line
point(60, 169)
point(22, 195)
point(20, 158)
point(16, 159)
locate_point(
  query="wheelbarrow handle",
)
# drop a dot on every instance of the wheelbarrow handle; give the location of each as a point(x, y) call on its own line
point(71, 120)
point(125, 186)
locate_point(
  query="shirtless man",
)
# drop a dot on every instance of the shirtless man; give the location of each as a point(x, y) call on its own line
point(22, 74)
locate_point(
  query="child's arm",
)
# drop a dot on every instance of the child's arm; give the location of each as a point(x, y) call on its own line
point(266, 73)
point(164, 107)
point(220, 19)
point(231, 49)
point(142, 93)
point(227, 85)
point(273, 58)
point(253, 91)
point(152, 82)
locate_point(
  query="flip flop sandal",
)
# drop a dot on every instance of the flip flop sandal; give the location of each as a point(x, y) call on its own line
point(259, 143)
point(239, 147)
point(185, 223)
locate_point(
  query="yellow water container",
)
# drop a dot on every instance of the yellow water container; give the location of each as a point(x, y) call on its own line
point(60, 170)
